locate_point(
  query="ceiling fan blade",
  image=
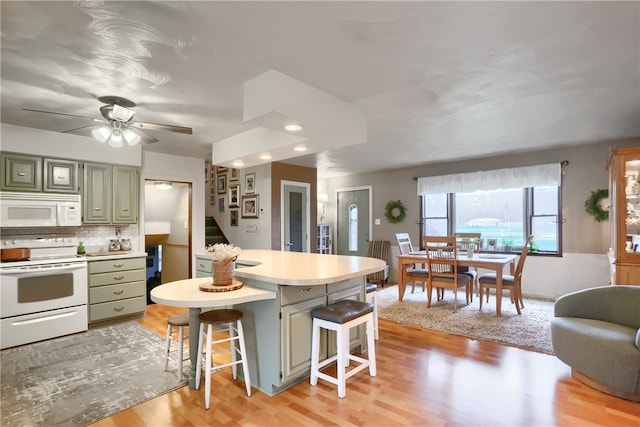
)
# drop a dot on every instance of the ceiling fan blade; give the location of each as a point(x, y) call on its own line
point(158, 126)
point(146, 138)
point(63, 114)
point(82, 131)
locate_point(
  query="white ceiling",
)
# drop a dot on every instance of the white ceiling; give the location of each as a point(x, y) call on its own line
point(437, 80)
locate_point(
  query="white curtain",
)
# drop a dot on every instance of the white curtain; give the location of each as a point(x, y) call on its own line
point(499, 179)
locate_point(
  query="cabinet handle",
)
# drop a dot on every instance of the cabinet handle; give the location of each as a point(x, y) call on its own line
point(201, 265)
point(125, 210)
point(118, 292)
point(305, 290)
point(119, 308)
point(118, 278)
point(118, 265)
point(21, 174)
point(61, 177)
point(97, 209)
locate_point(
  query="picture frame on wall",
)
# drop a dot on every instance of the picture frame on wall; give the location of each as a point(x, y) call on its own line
point(207, 170)
point(222, 184)
point(220, 204)
point(234, 175)
point(221, 169)
point(250, 183)
point(212, 199)
point(250, 206)
point(233, 217)
point(234, 195)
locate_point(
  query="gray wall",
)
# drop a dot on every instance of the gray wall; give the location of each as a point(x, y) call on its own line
point(587, 171)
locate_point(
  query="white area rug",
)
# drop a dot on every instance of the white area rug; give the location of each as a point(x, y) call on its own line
point(531, 330)
point(79, 379)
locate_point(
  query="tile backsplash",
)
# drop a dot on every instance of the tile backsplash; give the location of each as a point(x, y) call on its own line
point(94, 237)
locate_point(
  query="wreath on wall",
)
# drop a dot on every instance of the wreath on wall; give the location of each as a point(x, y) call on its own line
point(395, 211)
point(592, 205)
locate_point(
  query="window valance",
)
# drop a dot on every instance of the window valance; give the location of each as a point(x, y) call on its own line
point(498, 179)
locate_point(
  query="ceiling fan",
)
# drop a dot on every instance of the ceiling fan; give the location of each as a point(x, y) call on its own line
point(118, 126)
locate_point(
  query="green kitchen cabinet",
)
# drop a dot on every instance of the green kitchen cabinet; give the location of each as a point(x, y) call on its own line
point(21, 173)
point(61, 176)
point(125, 195)
point(110, 194)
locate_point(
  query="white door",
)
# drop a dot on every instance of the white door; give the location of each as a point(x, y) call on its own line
point(296, 216)
point(354, 221)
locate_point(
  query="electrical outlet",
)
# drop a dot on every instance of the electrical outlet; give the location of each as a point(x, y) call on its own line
point(377, 221)
point(118, 231)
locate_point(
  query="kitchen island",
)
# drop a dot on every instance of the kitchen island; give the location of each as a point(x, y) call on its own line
point(282, 288)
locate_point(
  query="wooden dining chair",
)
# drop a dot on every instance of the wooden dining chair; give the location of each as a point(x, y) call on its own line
point(442, 263)
point(511, 283)
point(465, 240)
point(413, 273)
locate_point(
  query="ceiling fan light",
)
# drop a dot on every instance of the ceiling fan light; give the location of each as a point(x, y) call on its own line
point(131, 137)
point(116, 139)
point(102, 133)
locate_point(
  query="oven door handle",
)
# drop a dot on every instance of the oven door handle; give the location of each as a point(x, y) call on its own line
point(44, 269)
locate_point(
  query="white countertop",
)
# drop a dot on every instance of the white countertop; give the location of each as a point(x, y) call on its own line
point(101, 256)
point(187, 293)
point(301, 269)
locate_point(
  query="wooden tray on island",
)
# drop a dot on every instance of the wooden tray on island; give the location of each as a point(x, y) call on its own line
point(210, 287)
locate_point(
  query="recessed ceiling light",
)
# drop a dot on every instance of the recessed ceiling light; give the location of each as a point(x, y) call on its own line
point(163, 185)
point(293, 127)
point(238, 163)
point(265, 156)
point(300, 148)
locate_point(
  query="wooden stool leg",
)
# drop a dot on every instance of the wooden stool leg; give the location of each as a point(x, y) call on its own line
point(207, 379)
point(167, 348)
point(180, 355)
point(315, 350)
point(243, 354)
point(340, 366)
point(233, 336)
point(199, 359)
point(371, 348)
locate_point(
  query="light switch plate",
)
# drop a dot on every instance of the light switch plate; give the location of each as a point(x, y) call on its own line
point(377, 221)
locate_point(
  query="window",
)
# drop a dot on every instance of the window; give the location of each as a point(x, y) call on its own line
point(353, 228)
point(505, 217)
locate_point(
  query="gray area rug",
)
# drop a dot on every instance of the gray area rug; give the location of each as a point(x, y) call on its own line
point(79, 379)
point(530, 331)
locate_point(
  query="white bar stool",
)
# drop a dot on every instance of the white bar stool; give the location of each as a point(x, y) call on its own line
point(179, 322)
point(225, 320)
point(372, 298)
point(341, 317)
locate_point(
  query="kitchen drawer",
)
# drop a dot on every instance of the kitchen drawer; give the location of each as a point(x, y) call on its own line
point(294, 294)
point(115, 292)
point(118, 264)
point(345, 284)
point(108, 310)
point(116, 277)
point(203, 265)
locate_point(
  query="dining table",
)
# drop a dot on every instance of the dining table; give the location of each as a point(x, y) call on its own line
point(496, 262)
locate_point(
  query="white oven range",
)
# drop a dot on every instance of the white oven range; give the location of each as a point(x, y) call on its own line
point(46, 296)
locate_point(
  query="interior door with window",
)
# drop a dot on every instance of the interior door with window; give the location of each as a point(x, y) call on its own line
point(354, 222)
point(296, 217)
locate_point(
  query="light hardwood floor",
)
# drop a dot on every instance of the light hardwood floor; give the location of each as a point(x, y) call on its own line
point(424, 378)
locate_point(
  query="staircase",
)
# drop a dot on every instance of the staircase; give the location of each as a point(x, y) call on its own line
point(212, 233)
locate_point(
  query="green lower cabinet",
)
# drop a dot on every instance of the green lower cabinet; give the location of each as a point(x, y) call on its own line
point(117, 288)
point(278, 332)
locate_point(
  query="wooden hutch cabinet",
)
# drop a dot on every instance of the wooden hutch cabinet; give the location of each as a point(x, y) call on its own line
point(624, 216)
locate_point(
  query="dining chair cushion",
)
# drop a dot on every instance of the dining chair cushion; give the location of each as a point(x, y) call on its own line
point(491, 279)
point(462, 279)
point(418, 272)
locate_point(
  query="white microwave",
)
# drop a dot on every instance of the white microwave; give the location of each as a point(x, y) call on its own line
point(39, 209)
